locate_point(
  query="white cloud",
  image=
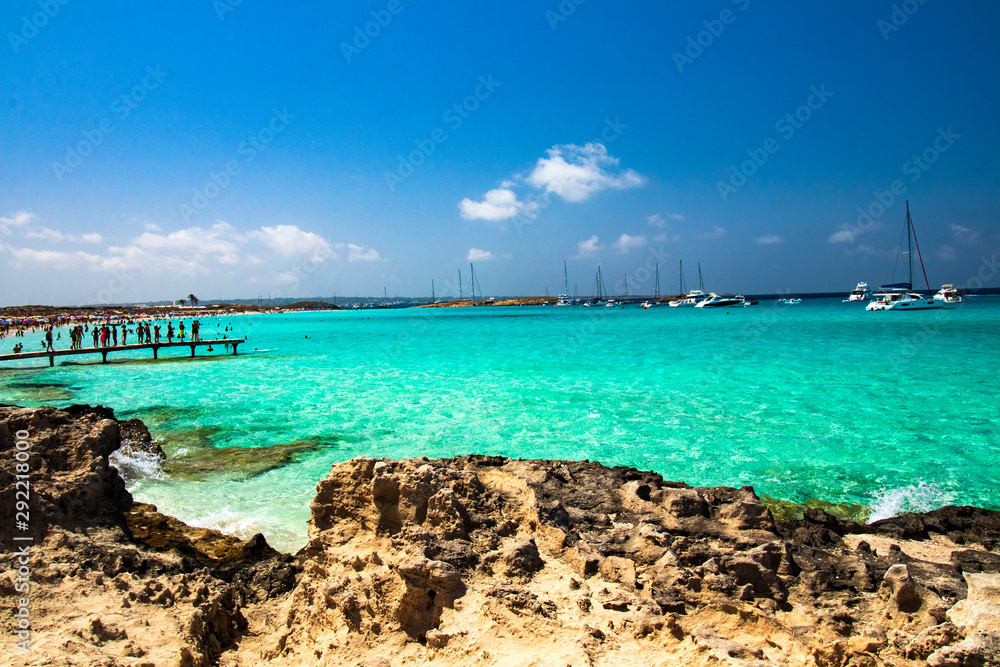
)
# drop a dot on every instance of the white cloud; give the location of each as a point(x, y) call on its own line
point(769, 239)
point(866, 250)
point(963, 233)
point(152, 227)
point(658, 220)
point(477, 255)
point(845, 235)
point(947, 253)
point(289, 240)
point(497, 204)
point(717, 232)
point(194, 251)
point(47, 234)
point(576, 172)
point(625, 243)
point(357, 253)
point(588, 247)
point(15, 219)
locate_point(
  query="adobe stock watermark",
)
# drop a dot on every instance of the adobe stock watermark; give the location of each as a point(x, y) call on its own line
point(454, 117)
point(786, 126)
point(121, 108)
point(20, 532)
point(248, 150)
point(610, 132)
point(901, 13)
point(714, 28)
point(882, 200)
point(32, 24)
point(223, 7)
point(364, 34)
point(562, 12)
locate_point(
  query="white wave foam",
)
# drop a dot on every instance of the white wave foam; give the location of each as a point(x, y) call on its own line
point(135, 466)
point(920, 497)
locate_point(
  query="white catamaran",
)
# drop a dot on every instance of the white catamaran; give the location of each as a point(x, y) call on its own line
point(900, 296)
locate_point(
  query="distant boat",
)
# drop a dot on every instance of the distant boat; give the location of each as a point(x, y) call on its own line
point(695, 296)
point(791, 302)
point(948, 294)
point(900, 296)
point(722, 300)
point(860, 293)
point(564, 297)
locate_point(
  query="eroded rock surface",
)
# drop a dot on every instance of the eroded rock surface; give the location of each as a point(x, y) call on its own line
point(493, 561)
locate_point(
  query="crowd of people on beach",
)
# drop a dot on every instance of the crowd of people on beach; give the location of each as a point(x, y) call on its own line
point(108, 333)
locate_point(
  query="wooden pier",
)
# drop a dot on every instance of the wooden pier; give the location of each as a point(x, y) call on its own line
point(103, 351)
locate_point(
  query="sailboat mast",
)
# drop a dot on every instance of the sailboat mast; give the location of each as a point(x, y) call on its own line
point(565, 279)
point(472, 280)
point(909, 224)
point(460, 284)
point(432, 290)
point(909, 241)
point(626, 284)
point(701, 283)
point(682, 277)
point(656, 287)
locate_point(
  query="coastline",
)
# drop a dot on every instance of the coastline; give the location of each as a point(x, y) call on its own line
point(487, 559)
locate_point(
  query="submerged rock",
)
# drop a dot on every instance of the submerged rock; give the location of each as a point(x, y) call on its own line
point(235, 462)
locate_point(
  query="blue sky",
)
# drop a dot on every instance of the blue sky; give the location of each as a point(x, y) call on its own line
point(236, 149)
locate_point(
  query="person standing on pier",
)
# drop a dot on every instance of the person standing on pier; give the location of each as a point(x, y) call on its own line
point(93, 333)
point(195, 326)
point(124, 335)
point(156, 332)
point(48, 339)
point(114, 334)
point(180, 331)
point(170, 331)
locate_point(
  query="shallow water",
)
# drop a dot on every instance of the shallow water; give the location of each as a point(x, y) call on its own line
point(821, 400)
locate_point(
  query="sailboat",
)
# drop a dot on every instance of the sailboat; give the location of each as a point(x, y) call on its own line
point(900, 296)
point(564, 297)
point(695, 296)
point(647, 304)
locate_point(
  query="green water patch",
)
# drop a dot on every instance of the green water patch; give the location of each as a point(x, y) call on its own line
point(40, 392)
point(167, 417)
point(239, 462)
point(785, 510)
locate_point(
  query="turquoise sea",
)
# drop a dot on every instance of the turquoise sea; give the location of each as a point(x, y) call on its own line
point(821, 400)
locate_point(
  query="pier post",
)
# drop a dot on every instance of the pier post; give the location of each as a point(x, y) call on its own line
point(156, 349)
point(52, 360)
point(234, 348)
point(192, 351)
point(104, 356)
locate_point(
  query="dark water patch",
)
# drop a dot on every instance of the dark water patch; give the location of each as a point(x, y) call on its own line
point(40, 392)
point(166, 417)
point(198, 439)
point(239, 462)
point(786, 510)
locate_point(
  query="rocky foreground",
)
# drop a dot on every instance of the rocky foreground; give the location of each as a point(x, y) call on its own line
point(480, 560)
